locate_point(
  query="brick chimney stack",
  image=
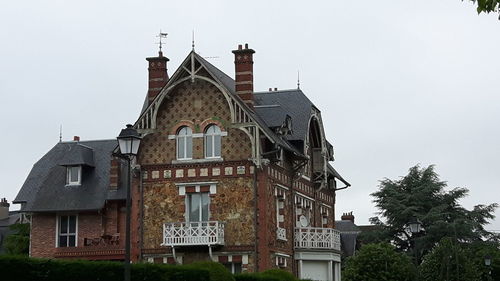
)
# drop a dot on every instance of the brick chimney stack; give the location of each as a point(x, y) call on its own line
point(4, 209)
point(243, 63)
point(158, 76)
point(347, 217)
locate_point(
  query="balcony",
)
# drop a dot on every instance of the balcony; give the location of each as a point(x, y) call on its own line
point(317, 238)
point(193, 233)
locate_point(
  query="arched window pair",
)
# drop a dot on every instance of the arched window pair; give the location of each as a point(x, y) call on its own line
point(212, 145)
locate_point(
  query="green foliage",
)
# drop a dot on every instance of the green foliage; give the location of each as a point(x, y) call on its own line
point(18, 243)
point(216, 270)
point(486, 6)
point(268, 275)
point(28, 269)
point(379, 262)
point(450, 260)
point(422, 194)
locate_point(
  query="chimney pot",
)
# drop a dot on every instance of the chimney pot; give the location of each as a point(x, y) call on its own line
point(270, 89)
point(347, 217)
point(275, 89)
point(4, 209)
point(157, 75)
point(243, 63)
point(76, 138)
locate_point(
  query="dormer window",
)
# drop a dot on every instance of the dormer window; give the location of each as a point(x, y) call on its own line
point(73, 175)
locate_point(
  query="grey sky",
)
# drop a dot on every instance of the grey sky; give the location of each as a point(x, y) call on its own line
point(398, 82)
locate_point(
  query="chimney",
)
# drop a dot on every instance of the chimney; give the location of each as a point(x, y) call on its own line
point(243, 63)
point(4, 209)
point(76, 138)
point(347, 217)
point(114, 174)
point(158, 76)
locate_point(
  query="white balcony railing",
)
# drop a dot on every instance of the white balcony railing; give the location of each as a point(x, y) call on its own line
point(281, 233)
point(317, 238)
point(193, 233)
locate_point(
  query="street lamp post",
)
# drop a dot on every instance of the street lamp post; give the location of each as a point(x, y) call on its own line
point(415, 227)
point(487, 262)
point(128, 141)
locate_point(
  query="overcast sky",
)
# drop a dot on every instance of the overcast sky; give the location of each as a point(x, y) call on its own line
point(399, 83)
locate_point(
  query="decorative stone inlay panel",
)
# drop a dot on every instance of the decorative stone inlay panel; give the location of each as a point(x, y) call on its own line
point(156, 148)
point(233, 203)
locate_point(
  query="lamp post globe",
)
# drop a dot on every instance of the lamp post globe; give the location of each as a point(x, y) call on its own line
point(415, 225)
point(129, 141)
point(487, 260)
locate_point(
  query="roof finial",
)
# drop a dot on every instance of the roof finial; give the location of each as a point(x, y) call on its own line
point(161, 35)
point(60, 133)
point(192, 41)
point(298, 80)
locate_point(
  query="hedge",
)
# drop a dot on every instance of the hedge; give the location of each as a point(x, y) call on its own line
point(29, 269)
point(268, 275)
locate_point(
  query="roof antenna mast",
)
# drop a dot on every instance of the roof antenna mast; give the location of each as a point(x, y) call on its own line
point(298, 80)
point(192, 41)
point(60, 133)
point(161, 35)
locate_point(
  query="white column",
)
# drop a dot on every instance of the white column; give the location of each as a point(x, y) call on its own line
point(331, 271)
point(337, 272)
point(300, 269)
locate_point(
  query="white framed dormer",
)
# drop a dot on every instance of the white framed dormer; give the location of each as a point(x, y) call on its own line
point(66, 230)
point(73, 175)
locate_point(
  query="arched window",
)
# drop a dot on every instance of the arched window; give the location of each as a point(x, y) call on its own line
point(213, 142)
point(185, 143)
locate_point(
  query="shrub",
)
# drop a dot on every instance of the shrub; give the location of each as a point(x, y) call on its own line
point(379, 262)
point(216, 271)
point(268, 275)
point(16, 268)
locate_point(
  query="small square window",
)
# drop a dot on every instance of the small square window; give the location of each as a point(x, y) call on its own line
point(74, 175)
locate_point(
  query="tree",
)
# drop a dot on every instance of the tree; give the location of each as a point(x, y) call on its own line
point(454, 260)
point(422, 194)
point(379, 262)
point(486, 6)
point(18, 243)
point(450, 260)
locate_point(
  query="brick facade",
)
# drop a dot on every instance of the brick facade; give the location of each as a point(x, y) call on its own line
point(90, 225)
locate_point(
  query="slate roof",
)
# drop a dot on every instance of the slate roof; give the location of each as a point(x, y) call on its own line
point(45, 188)
point(273, 107)
point(348, 236)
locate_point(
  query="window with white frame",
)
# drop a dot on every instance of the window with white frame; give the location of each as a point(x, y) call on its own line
point(184, 143)
point(66, 231)
point(73, 175)
point(233, 267)
point(197, 204)
point(213, 142)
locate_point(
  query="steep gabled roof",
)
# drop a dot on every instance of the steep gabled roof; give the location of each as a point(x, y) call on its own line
point(228, 84)
point(273, 106)
point(45, 188)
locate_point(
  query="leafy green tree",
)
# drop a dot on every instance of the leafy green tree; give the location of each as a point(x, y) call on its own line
point(422, 194)
point(486, 6)
point(379, 262)
point(450, 261)
point(18, 243)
